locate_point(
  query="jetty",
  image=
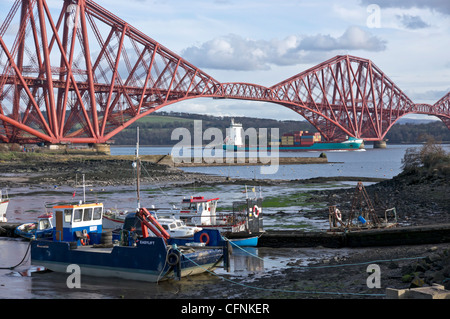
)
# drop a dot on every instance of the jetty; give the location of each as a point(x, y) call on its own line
point(405, 235)
point(244, 161)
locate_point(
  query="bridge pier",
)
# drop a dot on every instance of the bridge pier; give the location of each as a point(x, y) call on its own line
point(101, 148)
point(57, 147)
point(379, 144)
point(10, 147)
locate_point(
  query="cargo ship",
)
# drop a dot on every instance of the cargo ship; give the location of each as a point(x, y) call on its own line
point(305, 141)
point(290, 142)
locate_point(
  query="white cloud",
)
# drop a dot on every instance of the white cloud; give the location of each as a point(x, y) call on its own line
point(354, 38)
point(233, 52)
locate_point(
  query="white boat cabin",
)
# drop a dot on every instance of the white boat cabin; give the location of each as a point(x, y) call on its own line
point(45, 222)
point(76, 221)
point(202, 211)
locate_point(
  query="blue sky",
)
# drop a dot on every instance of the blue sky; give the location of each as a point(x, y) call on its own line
point(265, 42)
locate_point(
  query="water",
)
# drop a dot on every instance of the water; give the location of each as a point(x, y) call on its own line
point(371, 162)
point(28, 203)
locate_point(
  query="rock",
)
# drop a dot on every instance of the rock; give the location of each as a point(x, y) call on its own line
point(407, 277)
point(417, 282)
point(422, 266)
point(393, 265)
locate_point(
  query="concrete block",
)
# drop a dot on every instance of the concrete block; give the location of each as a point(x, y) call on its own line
point(433, 292)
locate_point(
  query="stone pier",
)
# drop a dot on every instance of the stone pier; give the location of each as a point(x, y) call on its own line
point(379, 144)
point(102, 148)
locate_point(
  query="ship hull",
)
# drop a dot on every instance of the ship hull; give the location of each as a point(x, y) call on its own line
point(351, 144)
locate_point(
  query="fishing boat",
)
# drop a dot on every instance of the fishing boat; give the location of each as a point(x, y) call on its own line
point(242, 226)
point(4, 201)
point(78, 238)
point(42, 229)
point(174, 226)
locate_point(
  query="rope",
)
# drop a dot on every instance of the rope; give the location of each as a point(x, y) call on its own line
point(164, 267)
point(332, 266)
point(283, 290)
point(26, 253)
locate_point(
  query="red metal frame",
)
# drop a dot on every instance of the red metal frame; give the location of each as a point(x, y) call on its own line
point(82, 75)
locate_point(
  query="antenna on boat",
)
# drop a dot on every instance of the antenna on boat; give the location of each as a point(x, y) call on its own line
point(84, 191)
point(138, 171)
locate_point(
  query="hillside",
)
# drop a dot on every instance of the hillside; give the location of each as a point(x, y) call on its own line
point(157, 129)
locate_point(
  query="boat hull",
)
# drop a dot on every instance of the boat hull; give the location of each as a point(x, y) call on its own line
point(147, 261)
point(245, 242)
point(3, 208)
point(350, 144)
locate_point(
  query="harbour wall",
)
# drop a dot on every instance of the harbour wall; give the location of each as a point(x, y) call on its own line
point(246, 161)
point(409, 235)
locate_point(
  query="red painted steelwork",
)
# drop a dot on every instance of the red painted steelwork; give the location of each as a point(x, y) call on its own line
point(81, 75)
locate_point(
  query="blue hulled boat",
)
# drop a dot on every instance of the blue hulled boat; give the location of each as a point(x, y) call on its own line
point(42, 229)
point(78, 238)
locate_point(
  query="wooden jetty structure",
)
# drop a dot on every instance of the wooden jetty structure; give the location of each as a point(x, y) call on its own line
point(406, 235)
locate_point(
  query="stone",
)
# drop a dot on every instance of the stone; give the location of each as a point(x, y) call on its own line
point(433, 292)
point(417, 282)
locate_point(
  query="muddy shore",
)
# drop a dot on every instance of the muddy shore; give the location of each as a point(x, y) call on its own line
point(418, 199)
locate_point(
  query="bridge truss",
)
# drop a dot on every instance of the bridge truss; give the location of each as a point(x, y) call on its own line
point(80, 74)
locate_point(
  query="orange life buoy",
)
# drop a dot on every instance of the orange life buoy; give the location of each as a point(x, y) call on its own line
point(338, 214)
point(256, 211)
point(203, 236)
point(85, 241)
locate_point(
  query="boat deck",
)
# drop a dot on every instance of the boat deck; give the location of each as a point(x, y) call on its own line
point(93, 249)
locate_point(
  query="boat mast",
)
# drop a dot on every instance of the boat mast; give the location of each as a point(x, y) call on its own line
point(138, 171)
point(84, 190)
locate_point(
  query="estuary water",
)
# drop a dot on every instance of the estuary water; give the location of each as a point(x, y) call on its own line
point(24, 282)
point(370, 162)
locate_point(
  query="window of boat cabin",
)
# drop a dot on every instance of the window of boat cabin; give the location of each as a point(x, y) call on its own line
point(187, 205)
point(97, 213)
point(67, 215)
point(44, 224)
point(87, 215)
point(77, 214)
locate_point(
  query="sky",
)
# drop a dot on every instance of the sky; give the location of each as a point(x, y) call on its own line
point(264, 42)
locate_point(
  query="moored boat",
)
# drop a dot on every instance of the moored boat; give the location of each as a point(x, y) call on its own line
point(77, 239)
point(42, 229)
point(242, 226)
point(4, 201)
point(175, 227)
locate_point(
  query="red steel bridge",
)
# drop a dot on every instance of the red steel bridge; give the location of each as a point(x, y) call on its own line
point(80, 74)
